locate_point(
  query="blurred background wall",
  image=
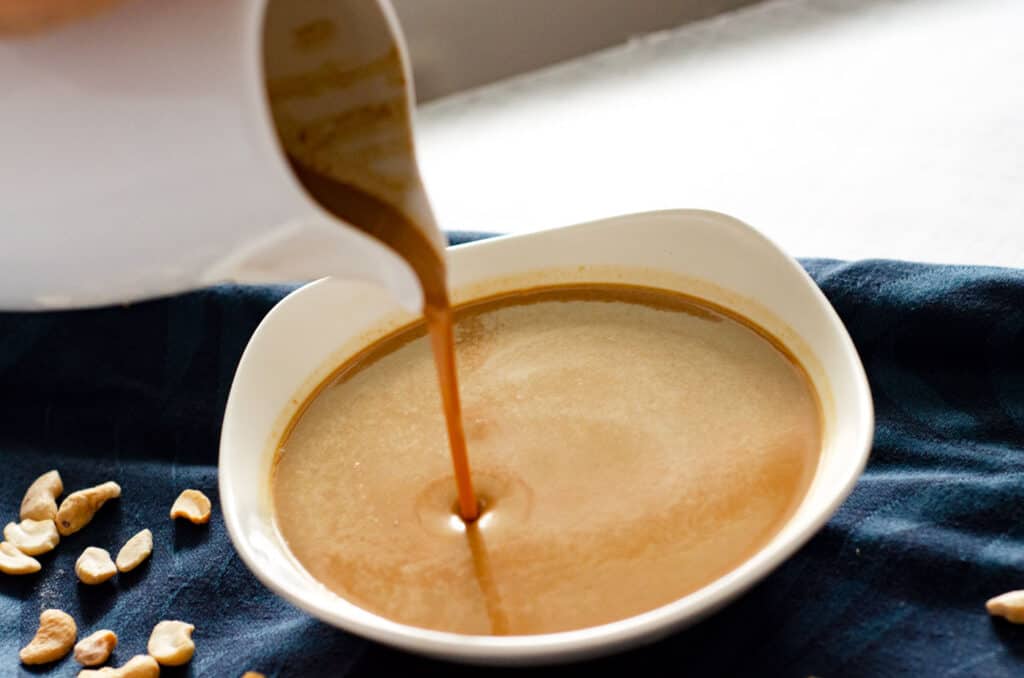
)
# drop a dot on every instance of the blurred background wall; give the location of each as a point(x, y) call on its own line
point(459, 44)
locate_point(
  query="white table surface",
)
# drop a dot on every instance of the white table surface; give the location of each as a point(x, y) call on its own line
point(841, 128)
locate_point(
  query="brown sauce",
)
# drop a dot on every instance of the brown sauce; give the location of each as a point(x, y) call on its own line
point(630, 446)
point(384, 222)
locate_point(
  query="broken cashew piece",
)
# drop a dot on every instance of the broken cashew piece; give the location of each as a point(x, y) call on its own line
point(139, 666)
point(95, 648)
point(33, 537)
point(54, 639)
point(192, 505)
point(40, 502)
point(1009, 606)
point(78, 508)
point(94, 566)
point(13, 561)
point(171, 643)
point(134, 551)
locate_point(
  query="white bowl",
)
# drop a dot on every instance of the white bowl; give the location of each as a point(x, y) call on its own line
point(702, 253)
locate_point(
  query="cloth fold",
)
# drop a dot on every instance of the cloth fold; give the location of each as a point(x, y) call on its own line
point(895, 584)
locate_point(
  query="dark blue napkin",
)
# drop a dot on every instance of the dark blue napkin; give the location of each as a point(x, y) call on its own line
point(895, 584)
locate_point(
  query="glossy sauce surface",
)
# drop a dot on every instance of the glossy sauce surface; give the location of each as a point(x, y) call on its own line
point(629, 446)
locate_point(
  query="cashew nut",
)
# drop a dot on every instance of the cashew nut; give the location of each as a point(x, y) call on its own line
point(78, 508)
point(192, 505)
point(13, 561)
point(40, 502)
point(1009, 606)
point(95, 648)
point(134, 551)
point(171, 643)
point(53, 640)
point(139, 666)
point(33, 537)
point(94, 566)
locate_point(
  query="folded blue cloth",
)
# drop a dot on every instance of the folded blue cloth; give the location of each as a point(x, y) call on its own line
point(895, 584)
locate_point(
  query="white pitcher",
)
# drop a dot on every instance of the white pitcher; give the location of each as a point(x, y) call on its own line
point(140, 155)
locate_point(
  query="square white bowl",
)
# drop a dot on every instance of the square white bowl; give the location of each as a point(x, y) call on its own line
point(704, 254)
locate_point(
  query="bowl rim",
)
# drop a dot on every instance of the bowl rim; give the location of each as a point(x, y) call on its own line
point(594, 640)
